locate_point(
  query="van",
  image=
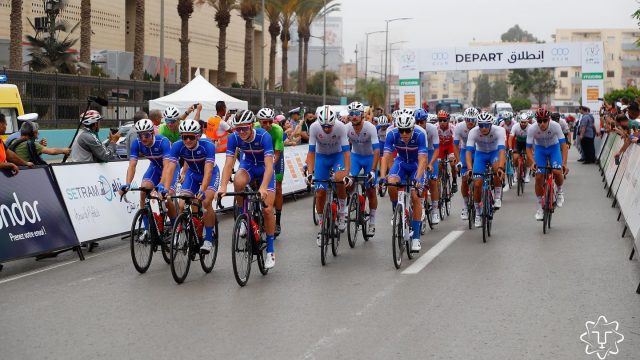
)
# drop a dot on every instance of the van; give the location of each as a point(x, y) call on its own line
point(499, 107)
point(10, 105)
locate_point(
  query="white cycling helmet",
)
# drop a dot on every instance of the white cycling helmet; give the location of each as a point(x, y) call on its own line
point(265, 114)
point(471, 114)
point(189, 126)
point(171, 113)
point(485, 118)
point(143, 125)
point(326, 116)
point(432, 118)
point(459, 118)
point(382, 120)
point(507, 115)
point(90, 117)
point(356, 106)
point(245, 117)
point(405, 121)
point(394, 114)
point(524, 117)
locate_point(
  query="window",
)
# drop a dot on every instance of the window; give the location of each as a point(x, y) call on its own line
point(564, 91)
point(577, 74)
point(611, 73)
point(434, 96)
point(564, 73)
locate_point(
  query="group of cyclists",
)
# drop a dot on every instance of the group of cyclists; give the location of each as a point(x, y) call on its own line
point(387, 150)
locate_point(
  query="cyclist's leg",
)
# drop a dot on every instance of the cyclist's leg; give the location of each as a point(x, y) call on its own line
point(209, 217)
point(372, 196)
point(497, 181)
point(433, 185)
point(321, 172)
point(268, 213)
point(340, 173)
point(149, 179)
point(556, 163)
point(279, 175)
point(190, 186)
point(393, 178)
point(416, 204)
point(540, 156)
point(480, 161)
point(240, 181)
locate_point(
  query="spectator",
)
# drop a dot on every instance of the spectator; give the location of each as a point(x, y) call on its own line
point(290, 138)
point(21, 120)
point(156, 118)
point(131, 135)
point(303, 127)
point(9, 160)
point(587, 135)
point(344, 116)
point(86, 147)
point(217, 128)
point(294, 117)
point(28, 149)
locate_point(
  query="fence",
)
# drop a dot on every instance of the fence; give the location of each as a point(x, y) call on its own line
point(60, 98)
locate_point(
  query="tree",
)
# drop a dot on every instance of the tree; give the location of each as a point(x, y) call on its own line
point(273, 10)
point(15, 35)
point(516, 34)
point(635, 15)
point(185, 9)
point(537, 82)
point(223, 19)
point(372, 91)
point(85, 36)
point(630, 93)
point(314, 86)
point(482, 93)
point(288, 10)
point(138, 44)
point(248, 10)
point(499, 91)
point(518, 104)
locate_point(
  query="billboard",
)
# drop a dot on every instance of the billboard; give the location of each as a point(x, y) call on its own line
point(334, 32)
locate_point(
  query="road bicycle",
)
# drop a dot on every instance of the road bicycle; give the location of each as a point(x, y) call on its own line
point(486, 202)
point(509, 168)
point(329, 232)
point(186, 240)
point(444, 183)
point(145, 241)
point(314, 214)
point(471, 208)
point(401, 228)
point(548, 198)
point(358, 215)
point(248, 242)
point(522, 171)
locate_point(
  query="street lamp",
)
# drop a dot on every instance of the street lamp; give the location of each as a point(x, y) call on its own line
point(386, 56)
point(324, 54)
point(391, 49)
point(366, 52)
point(161, 48)
point(262, 99)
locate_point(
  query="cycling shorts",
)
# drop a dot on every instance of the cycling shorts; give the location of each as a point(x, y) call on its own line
point(552, 154)
point(481, 159)
point(463, 160)
point(279, 168)
point(521, 147)
point(362, 163)
point(445, 150)
point(192, 181)
point(154, 174)
point(256, 173)
point(323, 166)
point(403, 170)
point(433, 175)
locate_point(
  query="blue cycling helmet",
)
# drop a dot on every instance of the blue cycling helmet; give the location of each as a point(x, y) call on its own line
point(421, 114)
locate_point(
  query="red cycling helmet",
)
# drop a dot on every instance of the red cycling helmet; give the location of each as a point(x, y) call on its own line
point(543, 114)
point(443, 115)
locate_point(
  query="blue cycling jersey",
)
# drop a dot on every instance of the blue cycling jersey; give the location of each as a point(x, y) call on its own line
point(253, 151)
point(196, 158)
point(407, 152)
point(156, 153)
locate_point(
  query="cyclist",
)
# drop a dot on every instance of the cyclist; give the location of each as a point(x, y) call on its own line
point(157, 149)
point(169, 129)
point(382, 126)
point(460, 135)
point(255, 148)
point(550, 145)
point(409, 165)
point(519, 138)
point(365, 155)
point(328, 150)
point(266, 118)
point(507, 123)
point(446, 149)
point(202, 176)
point(563, 125)
point(485, 145)
point(433, 144)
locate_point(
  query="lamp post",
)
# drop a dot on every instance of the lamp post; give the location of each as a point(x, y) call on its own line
point(324, 54)
point(366, 52)
point(391, 49)
point(386, 58)
point(262, 98)
point(161, 48)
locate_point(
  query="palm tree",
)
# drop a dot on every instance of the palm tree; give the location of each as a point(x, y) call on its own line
point(85, 36)
point(288, 10)
point(223, 19)
point(138, 44)
point(15, 47)
point(248, 10)
point(185, 9)
point(273, 10)
point(50, 54)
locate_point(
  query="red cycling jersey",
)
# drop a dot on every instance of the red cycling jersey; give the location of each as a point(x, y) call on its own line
point(446, 141)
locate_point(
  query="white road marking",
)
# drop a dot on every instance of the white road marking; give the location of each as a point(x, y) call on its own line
point(425, 259)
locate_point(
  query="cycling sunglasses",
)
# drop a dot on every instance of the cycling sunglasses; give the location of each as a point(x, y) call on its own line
point(542, 121)
point(443, 120)
point(355, 113)
point(170, 121)
point(484, 126)
point(188, 137)
point(405, 130)
point(326, 126)
point(145, 135)
point(421, 121)
point(242, 129)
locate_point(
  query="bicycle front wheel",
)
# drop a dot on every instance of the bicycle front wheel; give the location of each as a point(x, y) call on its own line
point(316, 219)
point(241, 250)
point(207, 261)
point(353, 220)
point(325, 232)
point(397, 239)
point(485, 214)
point(140, 241)
point(181, 248)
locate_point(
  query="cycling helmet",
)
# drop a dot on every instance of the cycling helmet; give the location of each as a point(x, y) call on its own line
point(189, 126)
point(471, 114)
point(485, 118)
point(90, 117)
point(460, 118)
point(542, 114)
point(265, 114)
point(395, 114)
point(555, 116)
point(279, 118)
point(143, 125)
point(405, 121)
point(432, 118)
point(382, 120)
point(443, 115)
point(507, 115)
point(326, 116)
point(421, 115)
point(245, 117)
point(171, 113)
point(524, 117)
point(356, 106)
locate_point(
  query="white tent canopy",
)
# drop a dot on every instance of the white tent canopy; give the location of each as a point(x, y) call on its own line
point(199, 90)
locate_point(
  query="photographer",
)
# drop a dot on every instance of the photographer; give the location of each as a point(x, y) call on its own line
point(86, 147)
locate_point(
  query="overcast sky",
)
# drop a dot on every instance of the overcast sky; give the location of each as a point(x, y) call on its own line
point(446, 23)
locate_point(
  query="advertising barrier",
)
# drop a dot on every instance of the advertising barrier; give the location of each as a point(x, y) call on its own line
point(32, 220)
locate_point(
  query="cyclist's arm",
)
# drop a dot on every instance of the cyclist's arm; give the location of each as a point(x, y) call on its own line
point(376, 156)
point(311, 154)
point(229, 162)
point(208, 172)
point(131, 171)
point(565, 151)
point(268, 172)
point(167, 173)
point(456, 151)
point(469, 158)
point(436, 154)
point(422, 165)
point(347, 158)
point(386, 159)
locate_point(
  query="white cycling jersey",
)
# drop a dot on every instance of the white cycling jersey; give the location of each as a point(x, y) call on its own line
point(507, 127)
point(550, 137)
point(519, 132)
point(331, 143)
point(564, 126)
point(461, 134)
point(494, 140)
point(432, 136)
point(362, 143)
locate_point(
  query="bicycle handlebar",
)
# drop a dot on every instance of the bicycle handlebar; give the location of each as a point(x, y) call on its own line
point(242, 194)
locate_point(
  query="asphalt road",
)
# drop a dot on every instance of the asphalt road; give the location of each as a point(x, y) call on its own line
point(522, 295)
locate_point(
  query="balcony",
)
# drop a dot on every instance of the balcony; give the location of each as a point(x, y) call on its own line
point(630, 46)
point(630, 63)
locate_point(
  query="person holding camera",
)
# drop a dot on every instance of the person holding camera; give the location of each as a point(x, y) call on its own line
point(86, 147)
point(28, 149)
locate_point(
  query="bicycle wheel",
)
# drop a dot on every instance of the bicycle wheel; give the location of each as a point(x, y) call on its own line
point(397, 240)
point(241, 249)
point(546, 220)
point(427, 211)
point(335, 237)
point(325, 232)
point(165, 244)
point(353, 218)
point(316, 220)
point(490, 215)
point(209, 260)
point(181, 248)
point(485, 213)
point(382, 191)
point(261, 254)
point(141, 242)
point(441, 204)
